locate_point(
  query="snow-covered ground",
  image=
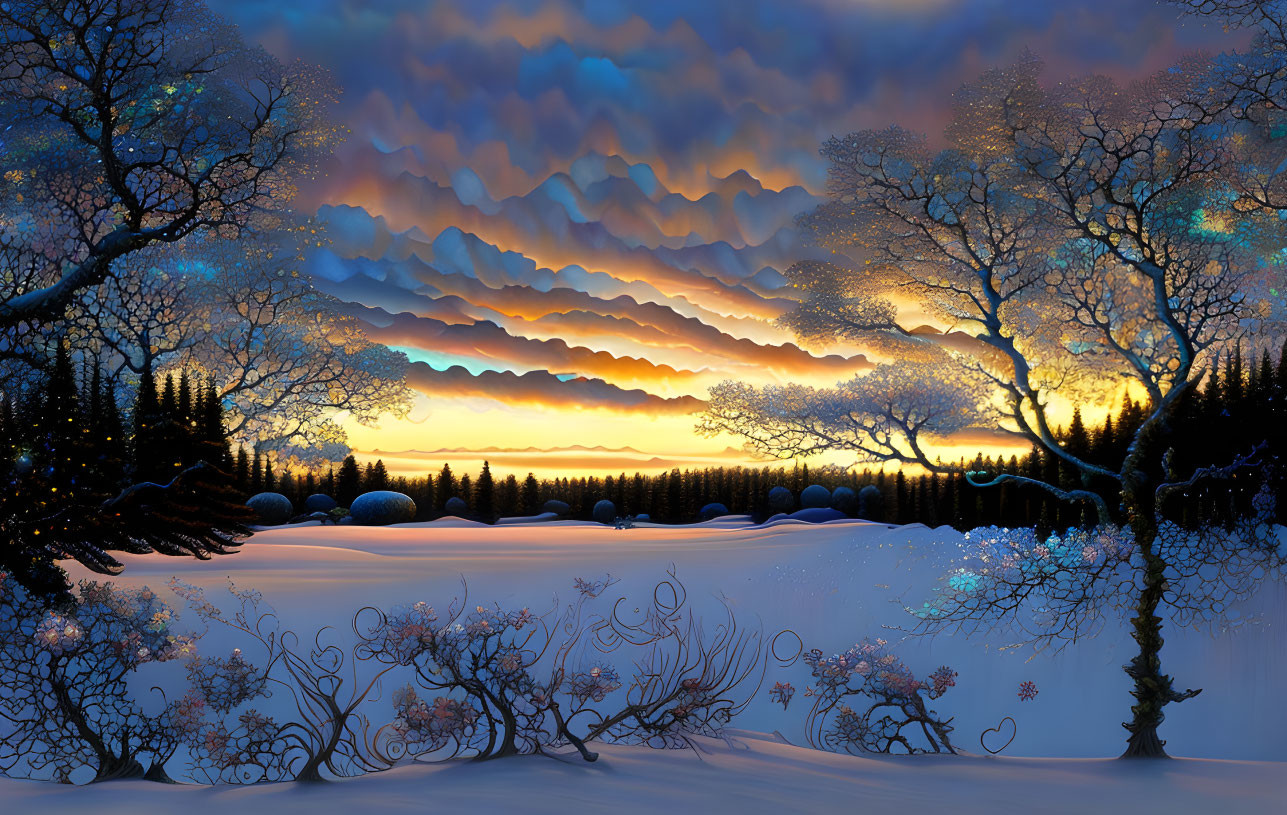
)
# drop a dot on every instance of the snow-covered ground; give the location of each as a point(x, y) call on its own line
point(833, 584)
point(749, 774)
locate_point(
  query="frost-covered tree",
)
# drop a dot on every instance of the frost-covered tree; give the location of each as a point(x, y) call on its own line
point(139, 320)
point(285, 361)
point(123, 126)
point(1081, 236)
point(67, 704)
point(133, 123)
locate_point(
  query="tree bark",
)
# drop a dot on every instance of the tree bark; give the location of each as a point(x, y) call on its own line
point(1152, 689)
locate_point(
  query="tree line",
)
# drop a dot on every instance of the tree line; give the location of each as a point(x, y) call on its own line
point(1241, 407)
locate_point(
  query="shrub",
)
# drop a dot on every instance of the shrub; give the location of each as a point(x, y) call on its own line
point(65, 670)
point(866, 700)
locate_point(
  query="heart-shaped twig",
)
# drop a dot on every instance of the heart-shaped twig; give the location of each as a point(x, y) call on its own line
point(997, 730)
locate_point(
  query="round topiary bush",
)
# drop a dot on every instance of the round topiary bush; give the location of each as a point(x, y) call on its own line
point(605, 512)
point(815, 496)
point(456, 506)
point(712, 511)
point(557, 507)
point(844, 499)
point(871, 504)
point(319, 503)
point(781, 500)
point(382, 507)
point(271, 508)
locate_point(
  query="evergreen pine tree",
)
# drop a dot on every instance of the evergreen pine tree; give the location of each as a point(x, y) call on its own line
point(146, 416)
point(187, 419)
point(1282, 371)
point(531, 495)
point(1233, 373)
point(214, 436)
point(1078, 440)
point(377, 477)
point(508, 498)
point(446, 486)
point(466, 489)
point(241, 475)
point(484, 495)
point(106, 434)
point(257, 473)
point(348, 482)
point(61, 443)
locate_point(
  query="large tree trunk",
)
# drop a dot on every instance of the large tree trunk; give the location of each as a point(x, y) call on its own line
point(1152, 689)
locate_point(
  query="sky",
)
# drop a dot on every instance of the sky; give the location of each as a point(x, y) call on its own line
point(573, 216)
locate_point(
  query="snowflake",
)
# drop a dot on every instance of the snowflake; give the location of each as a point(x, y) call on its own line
point(1027, 691)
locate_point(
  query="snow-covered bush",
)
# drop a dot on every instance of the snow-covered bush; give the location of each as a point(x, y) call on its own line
point(383, 507)
point(271, 508)
point(781, 499)
point(866, 700)
point(604, 512)
point(815, 496)
point(319, 502)
point(688, 679)
point(712, 511)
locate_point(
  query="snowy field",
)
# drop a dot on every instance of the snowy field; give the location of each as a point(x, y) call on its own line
point(750, 774)
point(833, 584)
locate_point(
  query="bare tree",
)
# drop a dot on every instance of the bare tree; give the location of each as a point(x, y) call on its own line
point(133, 122)
point(1086, 235)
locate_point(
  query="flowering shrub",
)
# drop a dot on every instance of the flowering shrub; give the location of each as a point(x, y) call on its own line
point(592, 685)
point(688, 680)
point(327, 738)
point(486, 682)
point(253, 747)
point(868, 700)
point(480, 666)
point(224, 684)
point(503, 682)
point(592, 588)
point(429, 727)
point(67, 707)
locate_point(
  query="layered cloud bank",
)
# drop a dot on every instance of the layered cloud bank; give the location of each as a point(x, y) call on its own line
point(559, 208)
